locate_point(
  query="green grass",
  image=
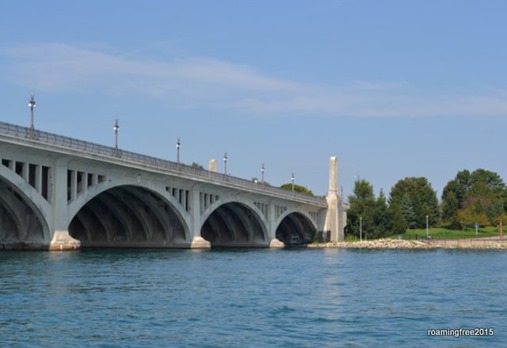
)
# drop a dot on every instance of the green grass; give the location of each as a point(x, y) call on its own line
point(444, 233)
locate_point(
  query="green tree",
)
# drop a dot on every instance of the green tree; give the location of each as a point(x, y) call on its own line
point(361, 204)
point(197, 165)
point(382, 221)
point(372, 212)
point(407, 211)
point(450, 207)
point(297, 188)
point(399, 225)
point(423, 200)
point(480, 195)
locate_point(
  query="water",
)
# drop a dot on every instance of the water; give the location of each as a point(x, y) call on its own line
point(254, 298)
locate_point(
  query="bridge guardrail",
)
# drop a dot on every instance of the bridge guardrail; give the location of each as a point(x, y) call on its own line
point(30, 136)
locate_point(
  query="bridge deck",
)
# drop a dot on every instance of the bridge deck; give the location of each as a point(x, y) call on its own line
point(58, 143)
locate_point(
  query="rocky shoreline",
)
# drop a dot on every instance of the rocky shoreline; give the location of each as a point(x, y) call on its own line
point(417, 244)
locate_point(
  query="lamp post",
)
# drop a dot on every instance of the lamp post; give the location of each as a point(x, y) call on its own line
point(116, 128)
point(178, 147)
point(31, 104)
point(361, 228)
point(292, 180)
point(225, 163)
point(262, 173)
point(427, 228)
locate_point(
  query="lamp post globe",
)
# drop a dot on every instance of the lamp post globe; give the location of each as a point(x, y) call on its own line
point(116, 128)
point(31, 105)
point(178, 147)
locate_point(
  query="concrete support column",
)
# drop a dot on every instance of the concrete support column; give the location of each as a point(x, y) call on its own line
point(60, 238)
point(50, 184)
point(84, 182)
point(271, 218)
point(73, 185)
point(195, 211)
point(38, 179)
point(183, 198)
point(24, 171)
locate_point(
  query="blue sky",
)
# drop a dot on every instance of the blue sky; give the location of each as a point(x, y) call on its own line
point(393, 88)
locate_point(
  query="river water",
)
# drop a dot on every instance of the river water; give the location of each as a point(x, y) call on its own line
point(252, 298)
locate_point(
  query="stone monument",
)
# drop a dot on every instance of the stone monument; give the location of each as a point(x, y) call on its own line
point(336, 216)
point(212, 166)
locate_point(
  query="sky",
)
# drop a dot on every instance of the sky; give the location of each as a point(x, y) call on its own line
point(392, 88)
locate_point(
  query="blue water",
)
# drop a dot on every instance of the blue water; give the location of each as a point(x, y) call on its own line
point(254, 298)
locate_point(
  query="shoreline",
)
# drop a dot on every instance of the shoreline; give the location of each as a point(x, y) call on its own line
point(416, 244)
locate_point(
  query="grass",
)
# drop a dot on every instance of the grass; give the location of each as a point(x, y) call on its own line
point(444, 233)
point(441, 234)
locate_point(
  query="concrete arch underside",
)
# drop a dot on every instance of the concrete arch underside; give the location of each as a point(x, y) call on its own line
point(128, 216)
point(22, 226)
point(295, 229)
point(234, 225)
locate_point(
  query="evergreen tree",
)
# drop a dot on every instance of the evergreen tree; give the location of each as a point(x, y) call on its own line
point(407, 211)
point(423, 200)
point(399, 225)
point(372, 212)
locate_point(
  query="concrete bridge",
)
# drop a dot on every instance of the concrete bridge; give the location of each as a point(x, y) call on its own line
point(59, 193)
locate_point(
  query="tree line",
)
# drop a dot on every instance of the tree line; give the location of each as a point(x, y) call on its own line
point(471, 197)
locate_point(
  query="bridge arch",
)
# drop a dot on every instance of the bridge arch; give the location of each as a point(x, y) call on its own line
point(234, 224)
point(295, 228)
point(128, 215)
point(22, 213)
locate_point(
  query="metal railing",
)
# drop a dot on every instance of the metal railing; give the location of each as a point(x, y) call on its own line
point(63, 143)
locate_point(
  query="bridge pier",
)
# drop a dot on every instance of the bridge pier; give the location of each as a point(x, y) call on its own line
point(62, 241)
point(200, 243)
point(276, 244)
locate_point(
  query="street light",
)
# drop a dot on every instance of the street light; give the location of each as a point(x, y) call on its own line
point(31, 104)
point(178, 147)
point(116, 128)
point(427, 227)
point(225, 163)
point(262, 173)
point(361, 228)
point(292, 180)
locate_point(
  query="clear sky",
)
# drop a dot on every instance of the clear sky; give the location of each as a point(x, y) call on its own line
point(393, 88)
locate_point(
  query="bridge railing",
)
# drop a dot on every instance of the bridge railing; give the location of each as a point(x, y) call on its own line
point(36, 136)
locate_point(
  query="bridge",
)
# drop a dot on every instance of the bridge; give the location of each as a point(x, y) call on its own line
point(60, 193)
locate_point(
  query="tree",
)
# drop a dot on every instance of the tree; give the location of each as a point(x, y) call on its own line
point(382, 222)
point(422, 200)
point(197, 165)
point(480, 195)
point(297, 188)
point(407, 211)
point(399, 225)
point(372, 212)
point(450, 207)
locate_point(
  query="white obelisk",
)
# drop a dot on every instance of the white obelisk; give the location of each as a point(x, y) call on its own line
point(335, 210)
